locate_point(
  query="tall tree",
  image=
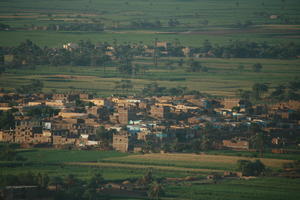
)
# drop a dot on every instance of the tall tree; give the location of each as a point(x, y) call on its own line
point(155, 191)
point(124, 85)
point(7, 120)
point(194, 66)
point(258, 89)
point(258, 142)
point(257, 67)
point(57, 181)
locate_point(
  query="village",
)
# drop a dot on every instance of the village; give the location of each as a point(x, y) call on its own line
point(186, 123)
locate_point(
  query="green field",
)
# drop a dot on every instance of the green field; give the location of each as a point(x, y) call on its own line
point(116, 15)
point(63, 162)
point(223, 78)
point(262, 188)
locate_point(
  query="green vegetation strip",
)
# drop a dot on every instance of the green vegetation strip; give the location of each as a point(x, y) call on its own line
point(140, 166)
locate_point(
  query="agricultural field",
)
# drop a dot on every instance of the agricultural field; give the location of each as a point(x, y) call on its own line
point(195, 161)
point(121, 166)
point(198, 20)
point(222, 79)
point(219, 23)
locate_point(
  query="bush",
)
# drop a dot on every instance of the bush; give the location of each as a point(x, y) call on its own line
point(249, 168)
point(8, 153)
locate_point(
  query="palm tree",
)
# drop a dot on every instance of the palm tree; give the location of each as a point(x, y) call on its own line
point(70, 180)
point(258, 89)
point(180, 62)
point(258, 142)
point(57, 181)
point(257, 67)
point(147, 178)
point(95, 181)
point(169, 64)
point(124, 84)
point(155, 191)
point(43, 180)
point(194, 66)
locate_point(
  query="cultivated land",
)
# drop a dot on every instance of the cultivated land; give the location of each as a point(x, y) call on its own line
point(117, 15)
point(199, 21)
point(195, 161)
point(222, 79)
point(121, 166)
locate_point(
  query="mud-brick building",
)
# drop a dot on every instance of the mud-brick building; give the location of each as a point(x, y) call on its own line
point(25, 131)
point(7, 136)
point(123, 141)
point(236, 144)
point(61, 141)
point(230, 103)
point(160, 112)
point(65, 97)
point(126, 114)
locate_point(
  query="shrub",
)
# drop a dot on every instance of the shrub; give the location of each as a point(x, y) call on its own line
point(249, 168)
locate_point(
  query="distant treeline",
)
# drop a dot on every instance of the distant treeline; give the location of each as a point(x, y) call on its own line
point(28, 53)
point(76, 27)
point(145, 24)
point(86, 53)
point(4, 27)
point(247, 49)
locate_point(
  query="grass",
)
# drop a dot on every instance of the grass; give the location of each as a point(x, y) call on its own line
point(54, 156)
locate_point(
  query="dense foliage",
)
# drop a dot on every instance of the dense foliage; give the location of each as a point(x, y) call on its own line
point(88, 54)
point(34, 86)
point(249, 168)
point(76, 27)
point(7, 120)
point(9, 153)
point(41, 111)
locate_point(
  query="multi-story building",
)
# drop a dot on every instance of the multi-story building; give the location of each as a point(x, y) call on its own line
point(122, 141)
point(25, 131)
point(126, 114)
point(160, 112)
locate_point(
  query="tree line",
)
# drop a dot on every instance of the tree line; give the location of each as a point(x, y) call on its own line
point(76, 27)
point(248, 49)
point(87, 53)
point(281, 92)
point(71, 187)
